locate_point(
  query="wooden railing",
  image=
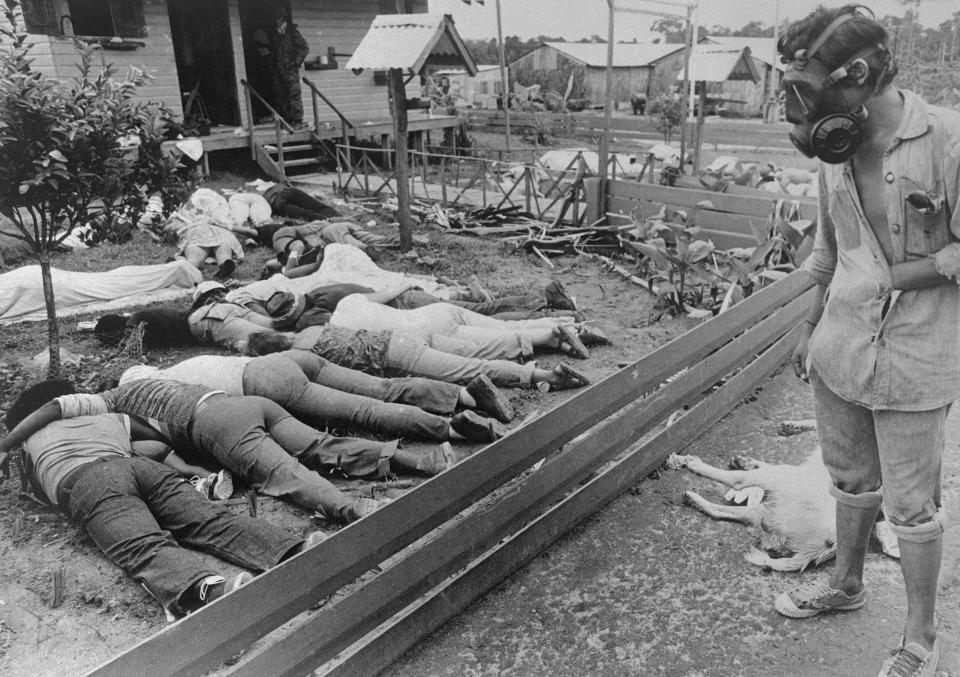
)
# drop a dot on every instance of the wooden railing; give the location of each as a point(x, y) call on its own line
point(345, 123)
point(537, 483)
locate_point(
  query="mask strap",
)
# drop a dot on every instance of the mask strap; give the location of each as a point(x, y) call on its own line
point(840, 73)
point(827, 32)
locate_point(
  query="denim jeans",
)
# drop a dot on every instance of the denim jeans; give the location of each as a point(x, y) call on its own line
point(412, 354)
point(141, 514)
point(437, 397)
point(898, 452)
point(282, 380)
point(276, 454)
point(518, 307)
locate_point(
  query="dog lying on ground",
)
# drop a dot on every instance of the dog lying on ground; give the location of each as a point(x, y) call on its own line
point(788, 505)
point(790, 508)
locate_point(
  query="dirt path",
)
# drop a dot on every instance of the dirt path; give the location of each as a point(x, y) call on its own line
point(649, 586)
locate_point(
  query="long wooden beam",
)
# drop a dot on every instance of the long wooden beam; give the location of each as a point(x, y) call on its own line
point(206, 638)
point(380, 648)
point(327, 633)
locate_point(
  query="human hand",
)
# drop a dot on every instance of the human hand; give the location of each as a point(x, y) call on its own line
point(798, 359)
point(4, 466)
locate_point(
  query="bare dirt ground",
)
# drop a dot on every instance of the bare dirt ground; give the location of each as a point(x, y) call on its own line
point(102, 611)
point(645, 586)
point(650, 586)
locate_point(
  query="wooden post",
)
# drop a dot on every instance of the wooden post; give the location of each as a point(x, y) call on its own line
point(687, 53)
point(701, 115)
point(608, 99)
point(398, 107)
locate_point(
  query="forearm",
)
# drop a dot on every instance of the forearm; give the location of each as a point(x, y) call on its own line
point(816, 306)
point(385, 296)
point(184, 469)
point(917, 274)
point(38, 420)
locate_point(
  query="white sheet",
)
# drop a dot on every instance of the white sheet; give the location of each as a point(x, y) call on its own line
point(345, 264)
point(21, 290)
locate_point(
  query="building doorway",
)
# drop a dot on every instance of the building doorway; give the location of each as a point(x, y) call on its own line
point(203, 48)
point(272, 57)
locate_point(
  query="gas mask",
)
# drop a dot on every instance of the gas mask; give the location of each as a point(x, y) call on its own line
point(827, 124)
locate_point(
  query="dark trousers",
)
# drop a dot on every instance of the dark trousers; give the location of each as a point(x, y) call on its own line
point(520, 307)
point(297, 204)
point(140, 514)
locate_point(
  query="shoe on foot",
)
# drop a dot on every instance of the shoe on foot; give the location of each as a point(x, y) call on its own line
point(592, 336)
point(475, 428)
point(226, 269)
point(568, 377)
point(435, 461)
point(222, 488)
point(912, 660)
point(479, 292)
point(489, 399)
point(567, 334)
point(358, 509)
point(815, 597)
point(557, 297)
point(215, 587)
point(312, 539)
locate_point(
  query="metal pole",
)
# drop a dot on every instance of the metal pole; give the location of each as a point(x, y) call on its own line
point(686, 85)
point(608, 94)
point(692, 94)
point(504, 83)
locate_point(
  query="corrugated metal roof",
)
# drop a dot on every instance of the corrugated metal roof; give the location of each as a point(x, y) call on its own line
point(407, 40)
point(714, 63)
point(764, 49)
point(625, 55)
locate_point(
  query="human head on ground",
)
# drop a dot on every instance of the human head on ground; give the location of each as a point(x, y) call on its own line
point(165, 326)
point(35, 397)
point(267, 342)
point(837, 59)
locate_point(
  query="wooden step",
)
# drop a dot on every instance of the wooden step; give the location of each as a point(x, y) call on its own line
point(295, 148)
point(301, 162)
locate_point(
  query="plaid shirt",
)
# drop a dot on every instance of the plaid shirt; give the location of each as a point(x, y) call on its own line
point(907, 358)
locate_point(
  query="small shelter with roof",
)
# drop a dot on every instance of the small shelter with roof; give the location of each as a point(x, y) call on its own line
point(407, 46)
point(638, 68)
point(763, 52)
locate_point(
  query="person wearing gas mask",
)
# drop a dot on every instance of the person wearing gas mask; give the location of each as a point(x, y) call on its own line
point(881, 350)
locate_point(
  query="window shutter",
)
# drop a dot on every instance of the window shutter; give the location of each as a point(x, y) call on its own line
point(40, 16)
point(128, 18)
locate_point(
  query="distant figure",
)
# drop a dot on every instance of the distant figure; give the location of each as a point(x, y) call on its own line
point(289, 51)
point(638, 102)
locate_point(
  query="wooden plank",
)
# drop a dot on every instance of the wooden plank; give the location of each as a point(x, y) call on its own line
point(204, 639)
point(706, 218)
point(752, 203)
point(329, 632)
point(376, 651)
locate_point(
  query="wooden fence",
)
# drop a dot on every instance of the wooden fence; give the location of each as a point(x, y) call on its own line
point(547, 476)
point(730, 220)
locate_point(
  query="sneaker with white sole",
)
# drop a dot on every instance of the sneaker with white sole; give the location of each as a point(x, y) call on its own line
point(815, 597)
point(912, 660)
point(215, 587)
point(215, 487)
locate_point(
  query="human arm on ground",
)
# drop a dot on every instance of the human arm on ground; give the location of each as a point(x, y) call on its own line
point(385, 296)
point(39, 419)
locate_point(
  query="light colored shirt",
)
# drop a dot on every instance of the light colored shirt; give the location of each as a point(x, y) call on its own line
point(219, 372)
point(63, 446)
point(358, 312)
point(908, 358)
point(258, 292)
point(226, 324)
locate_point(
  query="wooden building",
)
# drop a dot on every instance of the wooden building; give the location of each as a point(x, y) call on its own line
point(208, 47)
point(648, 69)
point(753, 94)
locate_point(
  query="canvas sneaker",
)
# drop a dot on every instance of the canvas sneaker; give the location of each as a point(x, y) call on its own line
point(215, 587)
point(815, 597)
point(912, 660)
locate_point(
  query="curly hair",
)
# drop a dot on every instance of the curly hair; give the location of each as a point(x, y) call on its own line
point(35, 397)
point(849, 38)
point(266, 342)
